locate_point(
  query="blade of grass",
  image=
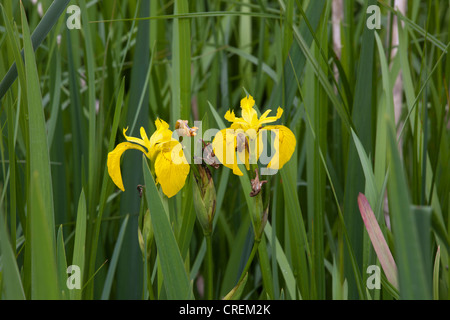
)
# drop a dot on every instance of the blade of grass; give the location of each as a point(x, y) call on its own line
point(181, 64)
point(361, 113)
point(47, 22)
point(12, 170)
point(61, 264)
point(354, 265)
point(437, 262)
point(14, 44)
point(236, 293)
point(427, 36)
point(378, 240)
point(285, 90)
point(407, 247)
point(254, 60)
point(79, 246)
point(233, 267)
point(300, 248)
point(244, 42)
point(113, 265)
point(283, 262)
point(11, 281)
point(41, 215)
point(371, 189)
point(315, 95)
point(176, 280)
point(92, 123)
point(337, 103)
point(352, 257)
point(422, 217)
point(412, 100)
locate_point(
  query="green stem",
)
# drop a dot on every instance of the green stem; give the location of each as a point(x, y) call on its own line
point(209, 268)
point(266, 272)
point(151, 294)
point(250, 259)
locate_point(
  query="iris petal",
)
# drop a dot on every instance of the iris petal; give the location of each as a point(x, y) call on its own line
point(113, 162)
point(171, 169)
point(161, 134)
point(265, 119)
point(248, 112)
point(247, 103)
point(230, 116)
point(224, 146)
point(144, 137)
point(284, 145)
point(141, 142)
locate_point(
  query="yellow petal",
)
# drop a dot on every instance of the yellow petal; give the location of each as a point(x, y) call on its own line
point(284, 145)
point(236, 170)
point(249, 115)
point(144, 136)
point(265, 119)
point(265, 114)
point(237, 123)
point(113, 162)
point(279, 113)
point(240, 124)
point(141, 142)
point(161, 124)
point(162, 133)
point(171, 169)
point(230, 116)
point(247, 102)
point(224, 147)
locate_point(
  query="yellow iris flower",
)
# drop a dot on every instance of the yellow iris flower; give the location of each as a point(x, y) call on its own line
point(165, 153)
point(244, 138)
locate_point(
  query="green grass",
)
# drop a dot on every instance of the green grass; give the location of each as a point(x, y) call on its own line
point(66, 95)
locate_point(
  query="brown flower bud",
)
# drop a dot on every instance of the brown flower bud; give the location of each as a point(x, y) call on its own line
point(256, 185)
point(183, 129)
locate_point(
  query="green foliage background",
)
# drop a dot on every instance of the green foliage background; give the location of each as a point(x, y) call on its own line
point(64, 107)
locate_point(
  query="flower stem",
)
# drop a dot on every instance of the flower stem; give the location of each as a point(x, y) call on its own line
point(250, 259)
point(266, 272)
point(149, 281)
point(209, 268)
